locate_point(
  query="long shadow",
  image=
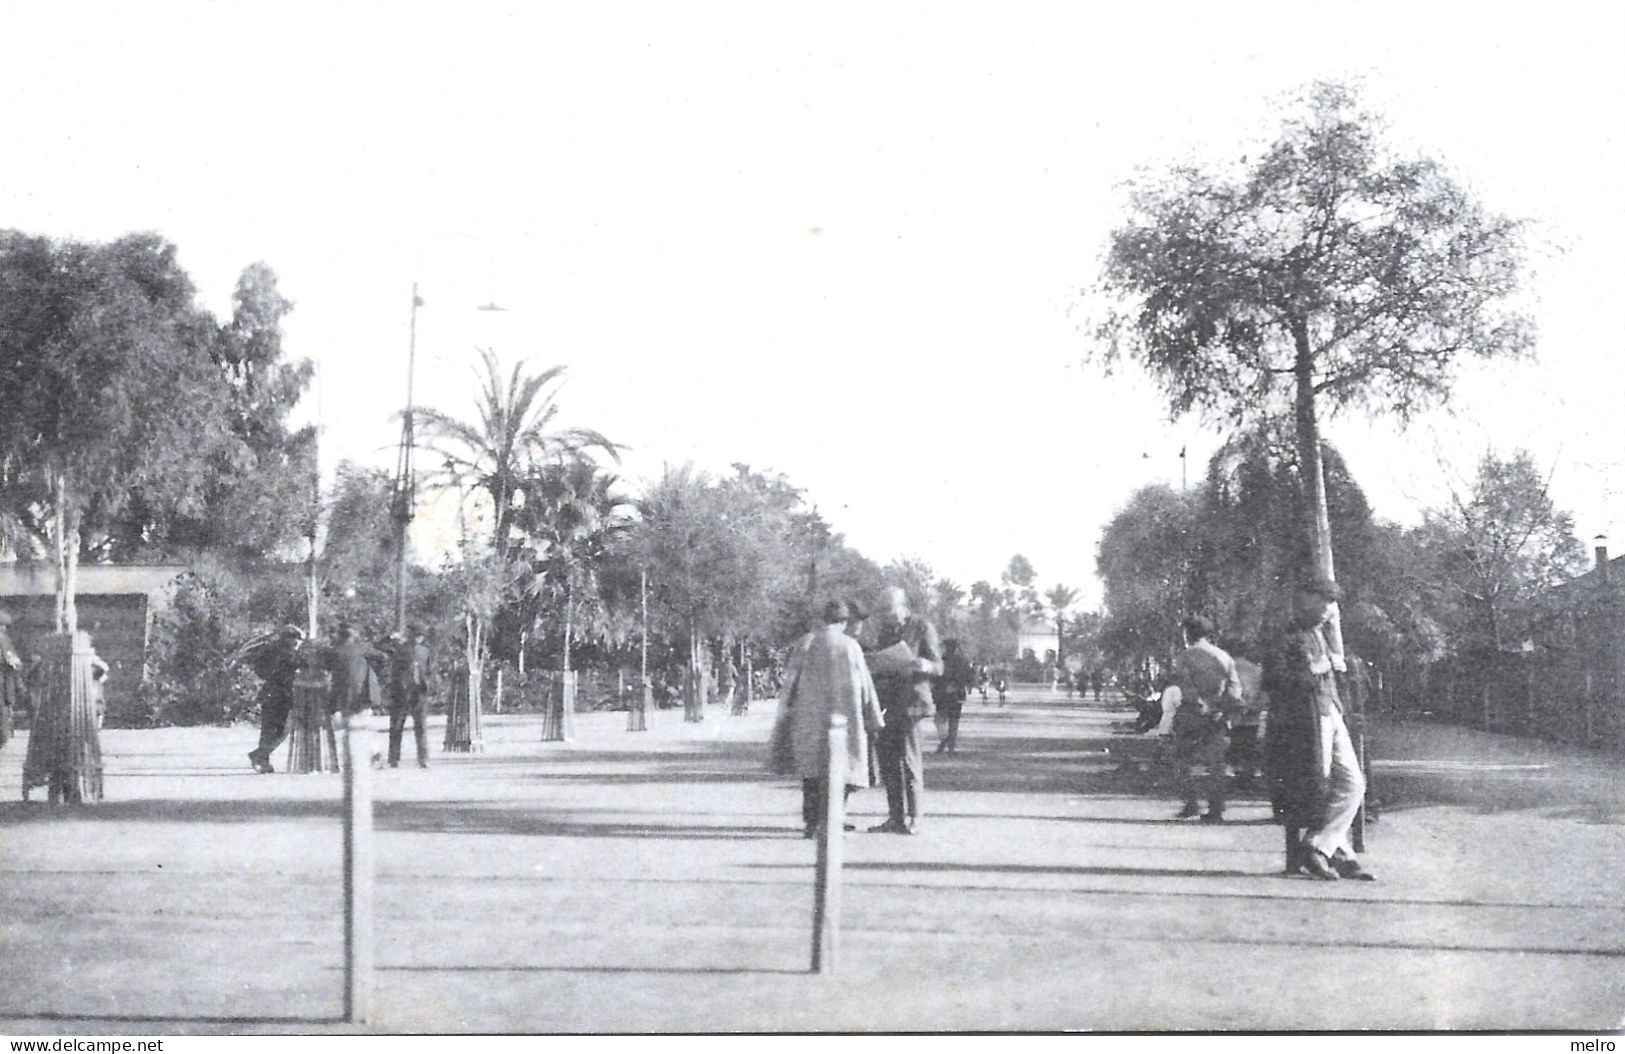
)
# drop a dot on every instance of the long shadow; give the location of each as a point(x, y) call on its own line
point(1040, 869)
point(459, 818)
point(675, 775)
point(497, 968)
point(173, 810)
point(1033, 765)
point(155, 1019)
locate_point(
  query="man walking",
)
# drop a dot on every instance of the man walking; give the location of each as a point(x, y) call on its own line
point(409, 695)
point(275, 660)
point(1210, 694)
point(826, 674)
point(905, 701)
point(1317, 783)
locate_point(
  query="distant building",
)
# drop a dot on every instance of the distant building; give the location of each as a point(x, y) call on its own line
point(1038, 636)
point(116, 605)
point(1583, 648)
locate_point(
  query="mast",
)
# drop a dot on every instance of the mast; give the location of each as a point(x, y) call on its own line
point(405, 485)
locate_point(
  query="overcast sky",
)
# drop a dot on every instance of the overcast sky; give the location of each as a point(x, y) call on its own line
point(842, 241)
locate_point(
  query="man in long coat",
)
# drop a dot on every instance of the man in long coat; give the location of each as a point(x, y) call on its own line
point(355, 684)
point(1315, 773)
point(825, 674)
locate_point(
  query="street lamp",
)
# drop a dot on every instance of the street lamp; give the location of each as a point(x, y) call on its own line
point(405, 495)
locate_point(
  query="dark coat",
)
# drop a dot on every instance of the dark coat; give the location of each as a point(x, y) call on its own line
point(949, 690)
point(1293, 745)
point(276, 663)
point(408, 673)
point(909, 695)
point(355, 686)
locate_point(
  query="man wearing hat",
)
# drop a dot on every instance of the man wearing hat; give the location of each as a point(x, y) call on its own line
point(1317, 784)
point(905, 700)
point(825, 674)
point(409, 693)
point(274, 659)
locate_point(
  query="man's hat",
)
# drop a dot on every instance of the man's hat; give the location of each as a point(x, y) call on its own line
point(1322, 586)
point(837, 611)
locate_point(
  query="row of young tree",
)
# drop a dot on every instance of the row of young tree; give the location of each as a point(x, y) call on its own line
point(137, 427)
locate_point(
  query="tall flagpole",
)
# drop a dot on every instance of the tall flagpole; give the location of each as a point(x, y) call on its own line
point(405, 485)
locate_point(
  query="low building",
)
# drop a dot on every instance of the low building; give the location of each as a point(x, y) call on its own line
point(116, 605)
point(1036, 635)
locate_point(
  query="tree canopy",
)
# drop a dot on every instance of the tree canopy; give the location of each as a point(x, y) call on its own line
point(1325, 273)
point(129, 417)
point(1383, 271)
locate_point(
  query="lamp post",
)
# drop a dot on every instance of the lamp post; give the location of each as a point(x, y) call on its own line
point(405, 483)
point(405, 496)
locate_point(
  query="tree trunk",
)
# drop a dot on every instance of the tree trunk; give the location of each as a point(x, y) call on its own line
point(694, 693)
point(65, 532)
point(1312, 471)
point(569, 621)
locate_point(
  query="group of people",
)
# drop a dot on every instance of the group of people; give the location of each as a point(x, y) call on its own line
point(1318, 784)
point(394, 676)
point(884, 695)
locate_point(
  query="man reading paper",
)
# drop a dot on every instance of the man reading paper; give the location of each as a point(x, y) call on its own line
point(904, 688)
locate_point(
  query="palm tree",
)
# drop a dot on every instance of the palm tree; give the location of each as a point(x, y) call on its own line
point(493, 453)
point(511, 434)
point(1060, 598)
point(571, 517)
point(948, 594)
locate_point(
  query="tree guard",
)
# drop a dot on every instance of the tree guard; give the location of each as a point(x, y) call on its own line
point(64, 745)
point(559, 726)
point(311, 743)
point(462, 719)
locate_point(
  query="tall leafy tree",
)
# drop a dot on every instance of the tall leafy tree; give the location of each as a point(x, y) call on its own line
point(1251, 537)
point(1328, 274)
point(259, 478)
point(1496, 550)
point(1144, 561)
point(106, 386)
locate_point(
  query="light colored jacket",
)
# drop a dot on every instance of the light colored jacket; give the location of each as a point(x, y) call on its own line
point(825, 674)
point(1207, 679)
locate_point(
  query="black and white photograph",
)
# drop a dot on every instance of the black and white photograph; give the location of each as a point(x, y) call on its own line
point(622, 518)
